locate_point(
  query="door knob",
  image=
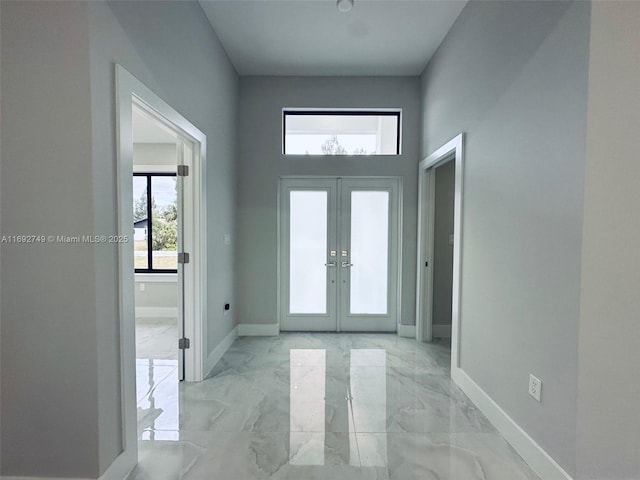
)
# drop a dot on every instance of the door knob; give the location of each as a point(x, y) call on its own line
point(346, 264)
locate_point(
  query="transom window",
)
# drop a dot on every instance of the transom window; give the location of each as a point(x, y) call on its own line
point(155, 222)
point(341, 132)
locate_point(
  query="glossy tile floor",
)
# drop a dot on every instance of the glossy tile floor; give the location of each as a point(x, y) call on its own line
point(157, 338)
point(318, 406)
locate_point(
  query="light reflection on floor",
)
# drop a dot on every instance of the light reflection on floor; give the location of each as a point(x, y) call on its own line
point(325, 406)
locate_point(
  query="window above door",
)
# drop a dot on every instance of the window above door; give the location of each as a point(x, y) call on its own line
point(341, 132)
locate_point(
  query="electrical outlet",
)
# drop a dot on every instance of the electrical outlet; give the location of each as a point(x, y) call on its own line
point(142, 287)
point(535, 387)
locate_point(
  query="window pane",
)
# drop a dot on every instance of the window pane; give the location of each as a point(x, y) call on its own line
point(369, 252)
point(140, 223)
point(345, 133)
point(164, 233)
point(308, 252)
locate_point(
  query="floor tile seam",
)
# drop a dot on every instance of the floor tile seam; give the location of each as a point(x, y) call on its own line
point(166, 374)
point(351, 420)
point(155, 387)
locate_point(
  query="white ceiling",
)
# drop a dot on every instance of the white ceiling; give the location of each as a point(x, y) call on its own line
point(311, 37)
point(149, 130)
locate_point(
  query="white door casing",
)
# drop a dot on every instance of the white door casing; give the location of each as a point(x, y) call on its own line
point(129, 92)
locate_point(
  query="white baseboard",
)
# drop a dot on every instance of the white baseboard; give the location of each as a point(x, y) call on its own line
point(157, 312)
point(408, 331)
point(441, 331)
point(217, 353)
point(532, 453)
point(258, 330)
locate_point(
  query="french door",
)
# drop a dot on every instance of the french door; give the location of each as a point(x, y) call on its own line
point(339, 253)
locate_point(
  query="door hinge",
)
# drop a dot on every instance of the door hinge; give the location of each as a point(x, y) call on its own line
point(183, 257)
point(183, 170)
point(184, 343)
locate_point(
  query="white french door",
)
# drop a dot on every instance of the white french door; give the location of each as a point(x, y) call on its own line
point(339, 253)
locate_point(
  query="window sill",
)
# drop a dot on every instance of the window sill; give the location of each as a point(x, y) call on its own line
point(156, 277)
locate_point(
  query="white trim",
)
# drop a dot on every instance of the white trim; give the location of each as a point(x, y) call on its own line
point(441, 331)
point(258, 330)
point(217, 353)
point(130, 90)
point(133, 92)
point(532, 453)
point(156, 278)
point(424, 281)
point(407, 331)
point(144, 312)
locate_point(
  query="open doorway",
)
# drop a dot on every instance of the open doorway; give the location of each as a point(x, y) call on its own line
point(440, 194)
point(166, 170)
point(157, 219)
point(442, 258)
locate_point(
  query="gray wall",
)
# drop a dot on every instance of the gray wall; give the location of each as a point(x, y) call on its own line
point(442, 250)
point(49, 365)
point(156, 295)
point(61, 321)
point(513, 77)
point(608, 387)
point(261, 163)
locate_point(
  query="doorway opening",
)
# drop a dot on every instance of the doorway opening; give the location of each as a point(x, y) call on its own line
point(162, 269)
point(157, 219)
point(339, 252)
point(440, 194)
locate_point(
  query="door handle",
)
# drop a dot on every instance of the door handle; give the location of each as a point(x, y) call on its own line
point(346, 264)
point(330, 264)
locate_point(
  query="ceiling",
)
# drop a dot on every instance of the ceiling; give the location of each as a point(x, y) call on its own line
point(146, 129)
point(313, 38)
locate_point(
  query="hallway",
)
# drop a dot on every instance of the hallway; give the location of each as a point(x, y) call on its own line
point(316, 406)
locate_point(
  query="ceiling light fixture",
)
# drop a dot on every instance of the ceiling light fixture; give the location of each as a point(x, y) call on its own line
point(344, 5)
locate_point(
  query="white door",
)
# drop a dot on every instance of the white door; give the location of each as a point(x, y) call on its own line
point(339, 251)
point(184, 152)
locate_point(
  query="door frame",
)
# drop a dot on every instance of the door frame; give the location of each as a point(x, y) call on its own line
point(280, 265)
point(450, 151)
point(130, 91)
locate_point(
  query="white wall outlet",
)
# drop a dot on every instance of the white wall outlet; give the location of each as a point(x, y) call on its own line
point(142, 287)
point(535, 387)
point(227, 238)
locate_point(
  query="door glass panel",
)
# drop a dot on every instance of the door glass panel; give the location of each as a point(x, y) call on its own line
point(308, 252)
point(369, 252)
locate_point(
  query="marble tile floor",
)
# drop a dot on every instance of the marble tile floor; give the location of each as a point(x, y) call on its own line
point(318, 406)
point(157, 338)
